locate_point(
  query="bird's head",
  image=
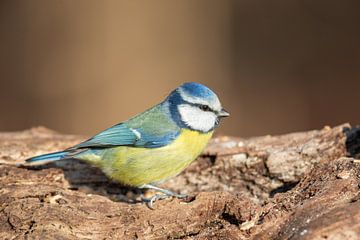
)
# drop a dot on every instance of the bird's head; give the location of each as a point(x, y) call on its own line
point(195, 106)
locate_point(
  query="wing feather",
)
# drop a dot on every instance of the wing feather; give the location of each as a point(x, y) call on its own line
point(151, 129)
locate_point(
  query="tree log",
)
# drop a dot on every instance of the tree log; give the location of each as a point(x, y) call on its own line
point(295, 186)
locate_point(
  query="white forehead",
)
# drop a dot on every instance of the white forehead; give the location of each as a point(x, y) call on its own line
point(213, 101)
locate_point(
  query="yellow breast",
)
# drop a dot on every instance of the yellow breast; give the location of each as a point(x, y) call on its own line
point(139, 166)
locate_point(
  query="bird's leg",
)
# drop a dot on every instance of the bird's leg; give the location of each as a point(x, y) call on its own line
point(166, 194)
point(165, 191)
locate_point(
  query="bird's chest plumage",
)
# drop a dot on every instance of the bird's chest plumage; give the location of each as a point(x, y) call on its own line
point(138, 166)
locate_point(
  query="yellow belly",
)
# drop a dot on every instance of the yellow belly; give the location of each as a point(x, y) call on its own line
point(139, 166)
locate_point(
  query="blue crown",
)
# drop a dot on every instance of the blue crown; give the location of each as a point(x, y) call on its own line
point(197, 90)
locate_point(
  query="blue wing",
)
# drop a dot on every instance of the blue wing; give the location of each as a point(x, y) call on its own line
point(151, 129)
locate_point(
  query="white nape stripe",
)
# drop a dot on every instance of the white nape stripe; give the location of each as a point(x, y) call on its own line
point(136, 132)
point(197, 119)
point(214, 104)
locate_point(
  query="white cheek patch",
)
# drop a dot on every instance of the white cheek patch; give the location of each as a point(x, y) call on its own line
point(197, 119)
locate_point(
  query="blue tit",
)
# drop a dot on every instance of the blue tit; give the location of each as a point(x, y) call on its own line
point(155, 145)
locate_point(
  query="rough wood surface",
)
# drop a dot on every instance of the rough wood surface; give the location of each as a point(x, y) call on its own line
point(294, 186)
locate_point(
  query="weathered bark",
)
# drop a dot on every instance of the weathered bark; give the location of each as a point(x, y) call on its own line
point(295, 186)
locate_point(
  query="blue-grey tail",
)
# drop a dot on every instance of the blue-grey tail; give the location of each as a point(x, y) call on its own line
point(48, 157)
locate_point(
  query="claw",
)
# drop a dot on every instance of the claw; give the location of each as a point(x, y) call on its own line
point(166, 194)
point(180, 196)
point(150, 201)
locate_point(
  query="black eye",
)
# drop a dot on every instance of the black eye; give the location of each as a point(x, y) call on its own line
point(204, 107)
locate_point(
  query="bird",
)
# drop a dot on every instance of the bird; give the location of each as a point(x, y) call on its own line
point(154, 145)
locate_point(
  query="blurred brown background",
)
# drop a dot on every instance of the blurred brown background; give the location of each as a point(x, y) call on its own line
point(81, 66)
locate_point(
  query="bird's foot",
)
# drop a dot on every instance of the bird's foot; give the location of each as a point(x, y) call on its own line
point(150, 201)
point(164, 194)
point(180, 196)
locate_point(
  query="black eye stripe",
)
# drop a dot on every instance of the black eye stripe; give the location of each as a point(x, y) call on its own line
point(201, 106)
point(205, 108)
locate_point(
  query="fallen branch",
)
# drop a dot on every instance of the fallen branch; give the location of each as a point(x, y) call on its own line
point(299, 185)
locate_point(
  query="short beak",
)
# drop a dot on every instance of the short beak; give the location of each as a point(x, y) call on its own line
point(223, 113)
